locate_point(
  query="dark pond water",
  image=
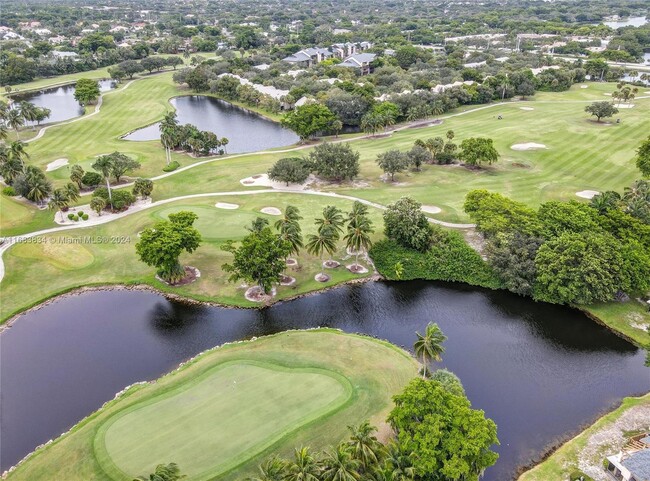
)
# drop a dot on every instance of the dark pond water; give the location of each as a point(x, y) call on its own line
point(245, 130)
point(60, 100)
point(540, 371)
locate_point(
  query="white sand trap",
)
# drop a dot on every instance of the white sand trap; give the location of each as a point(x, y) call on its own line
point(226, 205)
point(587, 194)
point(259, 180)
point(584, 86)
point(57, 164)
point(625, 106)
point(283, 185)
point(528, 146)
point(431, 209)
point(607, 95)
point(526, 108)
point(271, 211)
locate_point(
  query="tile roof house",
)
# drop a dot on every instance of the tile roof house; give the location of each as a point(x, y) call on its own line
point(359, 61)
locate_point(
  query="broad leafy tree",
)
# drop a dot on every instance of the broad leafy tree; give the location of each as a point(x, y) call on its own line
point(162, 245)
point(643, 158)
point(309, 119)
point(601, 110)
point(449, 440)
point(86, 91)
point(477, 151)
point(337, 162)
point(405, 223)
point(259, 259)
point(393, 161)
point(290, 170)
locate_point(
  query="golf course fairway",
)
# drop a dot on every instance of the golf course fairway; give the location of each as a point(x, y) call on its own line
point(225, 411)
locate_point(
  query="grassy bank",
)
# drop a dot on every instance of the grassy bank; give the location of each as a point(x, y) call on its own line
point(565, 460)
point(62, 261)
point(249, 400)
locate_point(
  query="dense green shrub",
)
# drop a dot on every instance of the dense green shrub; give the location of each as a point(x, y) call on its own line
point(84, 217)
point(579, 476)
point(173, 165)
point(9, 191)
point(80, 213)
point(122, 198)
point(91, 179)
point(449, 259)
point(71, 216)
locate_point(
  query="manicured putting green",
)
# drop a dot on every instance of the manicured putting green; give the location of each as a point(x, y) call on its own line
point(208, 425)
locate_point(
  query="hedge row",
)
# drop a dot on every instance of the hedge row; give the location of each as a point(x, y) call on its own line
point(449, 259)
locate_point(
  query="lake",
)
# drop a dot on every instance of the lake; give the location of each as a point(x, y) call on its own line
point(628, 22)
point(540, 371)
point(245, 130)
point(60, 100)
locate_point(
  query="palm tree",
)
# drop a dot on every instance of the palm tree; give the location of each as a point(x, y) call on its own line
point(289, 228)
point(364, 445)
point(4, 132)
point(429, 345)
point(10, 166)
point(304, 467)
point(28, 111)
point(39, 187)
point(169, 472)
point(274, 469)
point(71, 191)
point(400, 463)
point(76, 174)
point(323, 241)
point(17, 151)
point(224, 142)
point(605, 201)
point(333, 217)
point(104, 164)
point(58, 201)
point(14, 120)
point(435, 146)
point(339, 465)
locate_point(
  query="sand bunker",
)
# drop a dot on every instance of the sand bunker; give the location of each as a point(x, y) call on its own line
point(584, 86)
point(259, 180)
point(528, 146)
point(431, 209)
point(271, 211)
point(57, 164)
point(262, 180)
point(526, 108)
point(587, 194)
point(226, 205)
point(624, 106)
point(607, 95)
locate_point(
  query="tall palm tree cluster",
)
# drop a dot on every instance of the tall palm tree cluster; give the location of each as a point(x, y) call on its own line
point(625, 93)
point(634, 201)
point(188, 138)
point(28, 181)
point(361, 457)
point(15, 117)
point(331, 226)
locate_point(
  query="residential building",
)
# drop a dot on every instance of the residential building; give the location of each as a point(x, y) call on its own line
point(633, 462)
point(360, 61)
point(308, 57)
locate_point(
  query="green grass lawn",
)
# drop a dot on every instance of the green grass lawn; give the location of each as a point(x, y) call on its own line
point(564, 460)
point(630, 318)
point(62, 261)
point(227, 410)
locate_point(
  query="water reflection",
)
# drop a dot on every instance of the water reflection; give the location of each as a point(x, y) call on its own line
point(533, 367)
